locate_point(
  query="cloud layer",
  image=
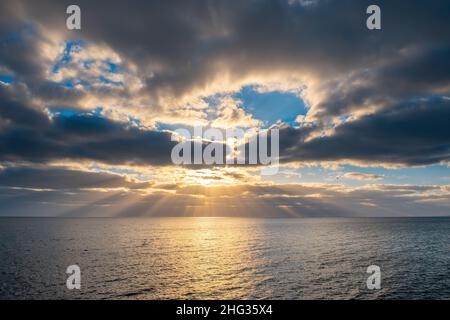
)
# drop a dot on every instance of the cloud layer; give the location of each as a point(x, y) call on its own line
point(111, 93)
point(44, 192)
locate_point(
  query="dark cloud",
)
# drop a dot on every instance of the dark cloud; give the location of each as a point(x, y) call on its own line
point(61, 179)
point(121, 146)
point(412, 133)
point(179, 46)
point(30, 135)
point(280, 201)
point(16, 113)
point(418, 72)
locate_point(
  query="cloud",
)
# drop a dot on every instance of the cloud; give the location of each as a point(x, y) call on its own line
point(226, 44)
point(231, 115)
point(248, 200)
point(373, 98)
point(32, 136)
point(62, 179)
point(362, 176)
point(412, 133)
point(169, 63)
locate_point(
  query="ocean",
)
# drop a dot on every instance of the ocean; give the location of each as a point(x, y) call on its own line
point(225, 258)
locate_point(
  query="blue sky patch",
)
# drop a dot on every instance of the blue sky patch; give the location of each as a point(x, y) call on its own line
point(112, 67)
point(271, 106)
point(71, 46)
point(6, 79)
point(68, 112)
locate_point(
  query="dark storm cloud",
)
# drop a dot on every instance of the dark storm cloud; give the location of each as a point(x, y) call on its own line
point(18, 50)
point(30, 135)
point(413, 133)
point(59, 178)
point(16, 113)
point(114, 144)
point(179, 46)
point(415, 73)
point(185, 43)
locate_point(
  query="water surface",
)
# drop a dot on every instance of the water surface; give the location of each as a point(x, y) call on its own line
point(224, 258)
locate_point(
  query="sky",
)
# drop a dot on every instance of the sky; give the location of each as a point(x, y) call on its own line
point(87, 116)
